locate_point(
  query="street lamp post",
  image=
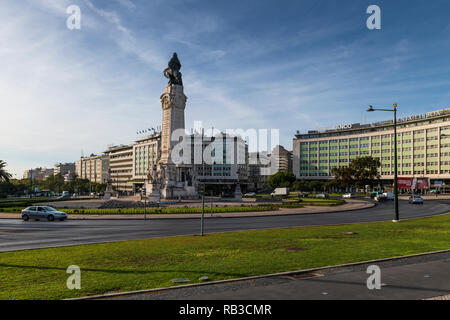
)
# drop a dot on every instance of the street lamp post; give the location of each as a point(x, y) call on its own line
point(202, 220)
point(394, 109)
point(144, 192)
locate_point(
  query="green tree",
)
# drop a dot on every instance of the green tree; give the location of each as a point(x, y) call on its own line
point(4, 175)
point(365, 171)
point(58, 183)
point(20, 185)
point(330, 185)
point(315, 185)
point(300, 185)
point(361, 172)
point(343, 177)
point(100, 187)
point(281, 179)
point(6, 188)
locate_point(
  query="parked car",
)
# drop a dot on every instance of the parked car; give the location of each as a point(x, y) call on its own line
point(322, 195)
point(348, 195)
point(43, 212)
point(415, 200)
point(250, 194)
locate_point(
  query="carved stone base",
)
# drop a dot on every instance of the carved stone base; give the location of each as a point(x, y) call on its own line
point(238, 193)
point(108, 192)
point(153, 192)
point(179, 192)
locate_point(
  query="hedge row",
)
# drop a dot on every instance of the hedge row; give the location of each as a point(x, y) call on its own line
point(171, 210)
point(29, 202)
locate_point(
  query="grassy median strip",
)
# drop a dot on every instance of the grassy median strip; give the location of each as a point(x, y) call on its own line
point(172, 210)
point(215, 209)
point(152, 263)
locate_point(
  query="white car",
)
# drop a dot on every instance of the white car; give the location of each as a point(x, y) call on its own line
point(348, 195)
point(43, 212)
point(250, 194)
point(415, 200)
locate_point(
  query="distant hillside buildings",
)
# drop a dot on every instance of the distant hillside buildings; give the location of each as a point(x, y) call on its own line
point(93, 168)
point(67, 170)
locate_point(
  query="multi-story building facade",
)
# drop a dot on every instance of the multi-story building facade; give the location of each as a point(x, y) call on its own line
point(281, 160)
point(31, 173)
point(262, 165)
point(67, 170)
point(222, 159)
point(423, 146)
point(259, 170)
point(64, 168)
point(38, 173)
point(93, 168)
point(121, 168)
point(145, 156)
point(129, 165)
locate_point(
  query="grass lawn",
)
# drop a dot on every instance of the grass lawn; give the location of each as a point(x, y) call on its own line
point(321, 202)
point(152, 263)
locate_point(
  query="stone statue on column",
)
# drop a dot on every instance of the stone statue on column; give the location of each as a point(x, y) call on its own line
point(173, 71)
point(153, 185)
point(108, 191)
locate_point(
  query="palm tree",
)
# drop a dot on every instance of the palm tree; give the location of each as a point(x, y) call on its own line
point(4, 175)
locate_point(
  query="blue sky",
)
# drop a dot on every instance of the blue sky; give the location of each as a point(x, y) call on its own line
point(291, 65)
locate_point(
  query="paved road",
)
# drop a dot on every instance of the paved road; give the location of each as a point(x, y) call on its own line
point(17, 235)
point(420, 277)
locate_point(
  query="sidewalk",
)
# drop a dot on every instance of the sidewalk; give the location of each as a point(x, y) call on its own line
point(412, 278)
point(350, 205)
point(427, 197)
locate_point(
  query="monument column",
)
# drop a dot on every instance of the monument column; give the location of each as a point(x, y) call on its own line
point(168, 179)
point(173, 103)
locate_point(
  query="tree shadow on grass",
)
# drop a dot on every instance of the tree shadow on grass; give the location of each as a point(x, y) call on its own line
point(119, 271)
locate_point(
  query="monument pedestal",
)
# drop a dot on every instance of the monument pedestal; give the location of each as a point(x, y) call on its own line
point(238, 193)
point(108, 192)
point(153, 192)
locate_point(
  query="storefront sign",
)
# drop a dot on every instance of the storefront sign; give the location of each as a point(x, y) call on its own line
point(413, 183)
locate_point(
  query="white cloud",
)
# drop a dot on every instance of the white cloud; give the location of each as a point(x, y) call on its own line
point(127, 3)
point(55, 100)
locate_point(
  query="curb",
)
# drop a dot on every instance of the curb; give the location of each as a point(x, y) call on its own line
point(288, 273)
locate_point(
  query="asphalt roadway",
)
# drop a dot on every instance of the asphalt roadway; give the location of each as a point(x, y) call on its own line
point(16, 234)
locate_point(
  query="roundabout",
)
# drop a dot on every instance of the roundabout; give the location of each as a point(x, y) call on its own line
point(16, 234)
